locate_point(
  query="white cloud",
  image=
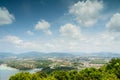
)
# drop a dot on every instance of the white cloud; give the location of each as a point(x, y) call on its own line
point(86, 12)
point(30, 32)
point(49, 46)
point(102, 42)
point(19, 43)
point(5, 16)
point(13, 39)
point(113, 24)
point(70, 31)
point(43, 26)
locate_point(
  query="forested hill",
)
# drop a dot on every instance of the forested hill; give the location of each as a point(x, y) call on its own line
point(110, 71)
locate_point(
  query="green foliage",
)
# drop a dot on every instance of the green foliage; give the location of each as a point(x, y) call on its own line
point(114, 67)
point(74, 75)
point(49, 70)
point(90, 74)
point(41, 74)
point(20, 65)
point(50, 78)
point(27, 64)
point(42, 63)
point(21, 76)
point(98, 61)
point(111, 71)
point(108, 76)
point(35, 77)
point(61, 75)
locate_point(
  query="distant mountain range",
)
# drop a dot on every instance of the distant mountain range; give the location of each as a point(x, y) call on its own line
point(106, 54)
point(34, 54)
point(30, 54)
point(5, 54)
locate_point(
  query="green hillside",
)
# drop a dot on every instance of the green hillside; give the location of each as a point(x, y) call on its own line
point(110, 71)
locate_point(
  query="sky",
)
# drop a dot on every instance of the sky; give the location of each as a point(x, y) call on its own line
point(87, 26)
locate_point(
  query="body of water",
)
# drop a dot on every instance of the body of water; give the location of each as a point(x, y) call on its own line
point(6, 72)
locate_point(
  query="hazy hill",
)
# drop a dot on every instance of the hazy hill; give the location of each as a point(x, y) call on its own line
point(34, 54)
point(55, 54)
point(106, 54)
point(6, 54)
point(41, 54)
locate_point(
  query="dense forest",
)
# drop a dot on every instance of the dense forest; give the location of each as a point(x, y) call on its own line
point(110, 71)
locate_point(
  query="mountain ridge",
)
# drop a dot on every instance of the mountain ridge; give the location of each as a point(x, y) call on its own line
point(35, 54)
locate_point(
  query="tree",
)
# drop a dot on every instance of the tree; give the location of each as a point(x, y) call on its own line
point(114, 67)
point(61, 75)
point(21, 76)
point(90, 74)
point(41, 74)
point(74, 75)
point(35, 77)
point(111, 71)
point(108, 76)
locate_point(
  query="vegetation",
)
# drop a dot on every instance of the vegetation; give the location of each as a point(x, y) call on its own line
point(97, 61)
point(49, 70)
point(54, 62)
point(27, 64)
point(1, 62)
point(111, 71)
point(42, 63)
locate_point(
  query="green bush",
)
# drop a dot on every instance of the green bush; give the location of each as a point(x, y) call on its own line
point(111, 71)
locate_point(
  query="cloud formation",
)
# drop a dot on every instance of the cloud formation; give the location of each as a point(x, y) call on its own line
point(70, 31)
point(86, 12)
point(71, 37)
point(43, 26)
point(19, 43)
point(5, 16)
point(101, 42)
point(113, 24)
point(30, 32)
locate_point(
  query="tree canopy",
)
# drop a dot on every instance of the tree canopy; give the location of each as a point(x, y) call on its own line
point(110, 71)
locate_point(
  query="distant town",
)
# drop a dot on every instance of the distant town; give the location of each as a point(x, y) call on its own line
point(33, 60)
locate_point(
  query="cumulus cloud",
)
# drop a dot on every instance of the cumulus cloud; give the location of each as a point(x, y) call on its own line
point(13, 39)
point(113, 24)
point(43, 26)
point(70, 31)
point(49, 46)
point(30, 32)
point(106, 42)
point(101, 42)
point(97, 43)
point(19, 43)
point(86, 12)
point(5, 16)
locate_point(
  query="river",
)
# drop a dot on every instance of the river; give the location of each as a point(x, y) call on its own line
point(6, 72)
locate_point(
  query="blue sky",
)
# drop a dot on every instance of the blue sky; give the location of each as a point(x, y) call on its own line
point(60, 26)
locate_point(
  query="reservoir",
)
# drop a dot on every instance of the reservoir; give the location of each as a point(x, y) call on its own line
point(6, 72)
